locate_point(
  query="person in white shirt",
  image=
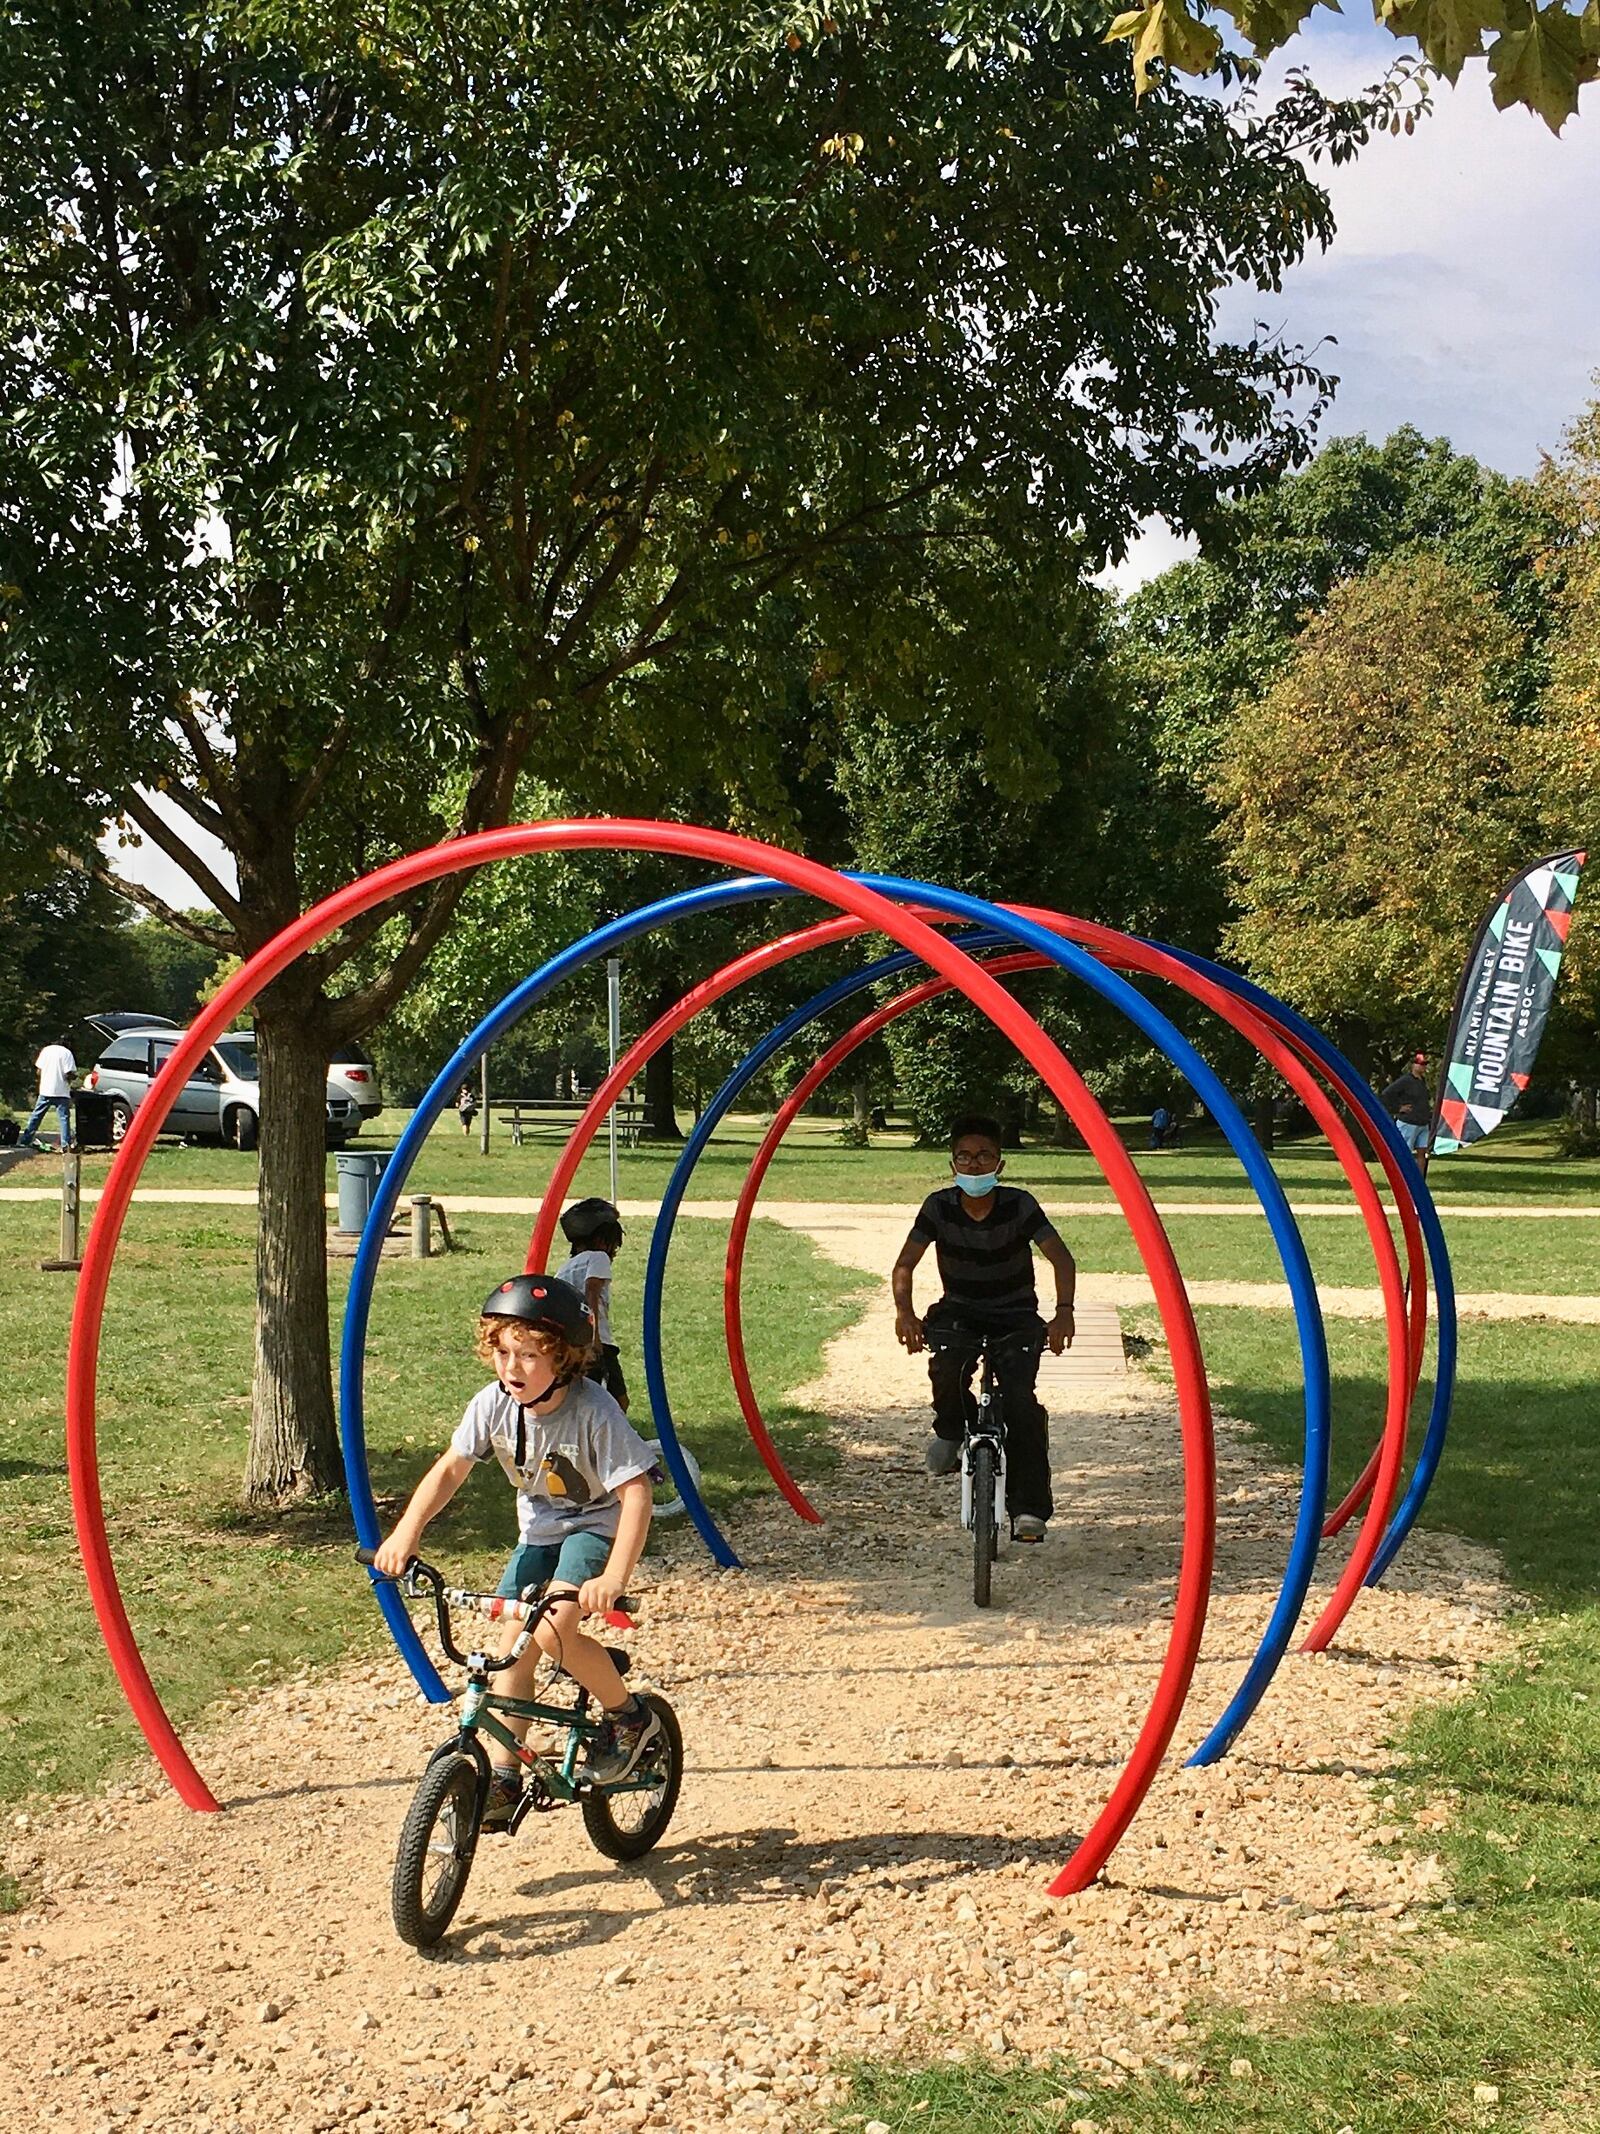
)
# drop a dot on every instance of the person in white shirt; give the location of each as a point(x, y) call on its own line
point(56, 1069)
point(593, 1228)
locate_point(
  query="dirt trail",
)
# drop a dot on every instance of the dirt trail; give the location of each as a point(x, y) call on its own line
point(881, 1782)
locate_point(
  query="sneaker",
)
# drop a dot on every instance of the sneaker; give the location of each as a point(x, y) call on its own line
point(618, 1748)
point(1028, 1526)
point(505, 1797)
point(941, 1455)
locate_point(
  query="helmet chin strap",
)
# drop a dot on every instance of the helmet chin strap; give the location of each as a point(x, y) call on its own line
point(555, 1386)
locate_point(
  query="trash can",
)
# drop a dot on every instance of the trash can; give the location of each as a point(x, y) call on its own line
point(358, 1172)
point(92, 1118)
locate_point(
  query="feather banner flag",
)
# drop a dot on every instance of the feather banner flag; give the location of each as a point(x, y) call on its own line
point(1503, 1002)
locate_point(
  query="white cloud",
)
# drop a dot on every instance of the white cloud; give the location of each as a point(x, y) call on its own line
point(1463, 287)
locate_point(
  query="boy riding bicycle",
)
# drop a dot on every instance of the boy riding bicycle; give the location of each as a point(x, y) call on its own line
point(584, 1500)
point(983, 1234)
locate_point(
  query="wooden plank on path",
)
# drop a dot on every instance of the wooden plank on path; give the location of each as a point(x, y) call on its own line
point(1095, 1357)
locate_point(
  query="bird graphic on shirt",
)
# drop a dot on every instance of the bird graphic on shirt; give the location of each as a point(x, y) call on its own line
point(562, 1479)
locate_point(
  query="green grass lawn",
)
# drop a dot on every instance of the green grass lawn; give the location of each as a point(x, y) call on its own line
point(1512, 1997)
point(1517, 1164)
point(222, 1601)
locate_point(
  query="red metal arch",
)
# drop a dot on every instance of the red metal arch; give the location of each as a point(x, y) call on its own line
point(724, 849)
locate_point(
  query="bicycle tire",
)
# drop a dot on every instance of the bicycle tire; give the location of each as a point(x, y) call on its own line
point(449, 1786)
point(983, 1520)
point(616, 1839)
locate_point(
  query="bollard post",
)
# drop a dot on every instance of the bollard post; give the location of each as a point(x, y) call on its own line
point(421, 1226)
point(68, 1260)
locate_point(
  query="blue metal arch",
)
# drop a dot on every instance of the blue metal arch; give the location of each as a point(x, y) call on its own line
point(1156, 1026)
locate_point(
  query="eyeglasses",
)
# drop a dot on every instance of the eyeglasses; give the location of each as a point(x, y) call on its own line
point(974, 1163)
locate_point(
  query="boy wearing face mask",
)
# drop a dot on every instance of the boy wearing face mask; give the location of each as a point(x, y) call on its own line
point(983, 1234)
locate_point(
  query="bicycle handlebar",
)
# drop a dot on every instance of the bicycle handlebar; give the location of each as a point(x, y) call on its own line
point(493, 1605)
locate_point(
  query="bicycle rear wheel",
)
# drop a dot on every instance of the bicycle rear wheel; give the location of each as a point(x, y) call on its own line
point(437, 1843)
point(985, 1536)
point(625, 1822)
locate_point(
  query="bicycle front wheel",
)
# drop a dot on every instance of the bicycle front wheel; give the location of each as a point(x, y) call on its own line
point(437, 1843)
point(985, 1533)
point(625, 1821)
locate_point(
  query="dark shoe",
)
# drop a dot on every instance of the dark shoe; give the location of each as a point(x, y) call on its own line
point(619, 1747)
point(941, 1455)
point(1028, 1526)
point(505, 1797)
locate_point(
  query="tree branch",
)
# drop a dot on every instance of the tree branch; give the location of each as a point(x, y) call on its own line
point(167, 840)
point(211, 937)
point(218, 784)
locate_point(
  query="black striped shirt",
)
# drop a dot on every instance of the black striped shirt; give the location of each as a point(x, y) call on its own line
point(986, 1267)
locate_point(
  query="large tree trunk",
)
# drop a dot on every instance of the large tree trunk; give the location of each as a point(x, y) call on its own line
point(659, 1120)
point(294, 1439)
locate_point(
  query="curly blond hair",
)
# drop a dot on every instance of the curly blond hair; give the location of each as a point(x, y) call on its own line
point(568, 1359)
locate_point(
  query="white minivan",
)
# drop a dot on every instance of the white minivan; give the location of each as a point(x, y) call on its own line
point(222, 1097)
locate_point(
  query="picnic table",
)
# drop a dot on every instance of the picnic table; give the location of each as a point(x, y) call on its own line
point(527, 1115)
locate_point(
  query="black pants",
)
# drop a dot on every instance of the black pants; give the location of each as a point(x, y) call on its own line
point(953, 1342)
point(606, 1371)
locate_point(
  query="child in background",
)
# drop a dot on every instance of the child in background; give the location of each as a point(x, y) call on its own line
point(593, 1228)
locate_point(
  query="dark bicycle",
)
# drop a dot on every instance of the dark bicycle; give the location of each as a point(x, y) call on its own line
point(439, 1838)
point(983, 1451)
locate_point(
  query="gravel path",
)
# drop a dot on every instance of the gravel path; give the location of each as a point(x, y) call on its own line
point(880, 1784)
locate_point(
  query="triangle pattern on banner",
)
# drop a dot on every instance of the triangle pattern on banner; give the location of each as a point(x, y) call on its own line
point(1487, 1119)
point(1560, 921)
point(1461, 1077)
point(1551, 959)
point(1445, 1145)
point(1497, 925)
point(1539, 884)
point(1521, 1080)
point(1454, 1114)
point(1567, 882)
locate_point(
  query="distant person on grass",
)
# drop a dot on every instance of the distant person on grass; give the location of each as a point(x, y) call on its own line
point(584, 1499)
point(983, 1234)
point(57, 1069)
point(1409, 1105)
point(593, 1228)
point(466, 1106)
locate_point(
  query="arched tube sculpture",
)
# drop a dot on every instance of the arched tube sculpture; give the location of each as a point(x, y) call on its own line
point(719, 847)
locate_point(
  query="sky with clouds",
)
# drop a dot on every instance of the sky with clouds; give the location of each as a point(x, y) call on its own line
point(1462, 290)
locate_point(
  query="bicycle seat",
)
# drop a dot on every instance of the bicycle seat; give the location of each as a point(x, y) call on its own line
point(619, 1659)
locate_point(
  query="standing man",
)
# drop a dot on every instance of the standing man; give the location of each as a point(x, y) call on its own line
point(983, 1234)
point(56, 1069)
point(1409, 1105)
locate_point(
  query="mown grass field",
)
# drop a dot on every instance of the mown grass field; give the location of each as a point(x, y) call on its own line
point(813, 1165)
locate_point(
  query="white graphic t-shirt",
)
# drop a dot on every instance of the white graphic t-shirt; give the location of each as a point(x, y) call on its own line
point(573, 1462)
point(584, 1268)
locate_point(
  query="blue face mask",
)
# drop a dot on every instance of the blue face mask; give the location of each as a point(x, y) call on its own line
point(976, 1186)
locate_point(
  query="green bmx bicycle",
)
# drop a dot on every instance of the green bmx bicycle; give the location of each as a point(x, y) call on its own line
point(439, 1837)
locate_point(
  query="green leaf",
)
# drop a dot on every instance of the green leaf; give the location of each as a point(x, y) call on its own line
point(1166, 30)
point(1267, 24)
point(1544, 65)
point(1450, 32)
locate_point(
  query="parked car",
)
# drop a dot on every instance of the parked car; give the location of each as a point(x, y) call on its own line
point(221, 1098)
point(355, 1075)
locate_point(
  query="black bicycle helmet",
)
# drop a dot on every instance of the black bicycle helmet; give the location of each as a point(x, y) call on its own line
point(540, 1300)
point(586, 1218)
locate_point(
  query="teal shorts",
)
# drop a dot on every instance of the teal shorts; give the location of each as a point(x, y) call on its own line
point(572, 1560)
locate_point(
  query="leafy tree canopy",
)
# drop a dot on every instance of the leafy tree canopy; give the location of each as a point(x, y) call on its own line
point(1539, 56)
point(1362, 864)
